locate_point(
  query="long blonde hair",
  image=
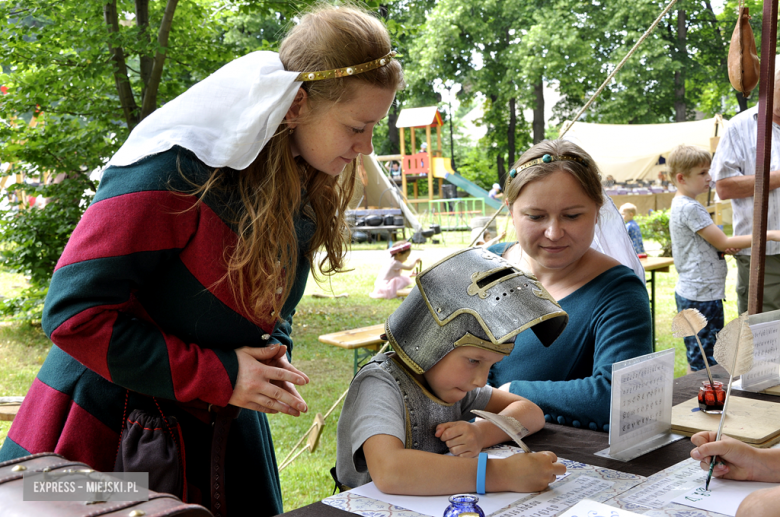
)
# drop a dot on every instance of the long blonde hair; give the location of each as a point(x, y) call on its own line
point(265, 256)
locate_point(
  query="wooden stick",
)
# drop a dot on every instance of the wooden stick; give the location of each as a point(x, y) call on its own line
point(763, 155)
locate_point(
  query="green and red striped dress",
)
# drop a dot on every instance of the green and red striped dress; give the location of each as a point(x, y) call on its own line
point(136, 306)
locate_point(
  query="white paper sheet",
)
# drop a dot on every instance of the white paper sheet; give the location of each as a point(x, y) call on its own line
point(766, 357)
point(435, 505)
point(724, 495)
point(559, 497)
point(656, 494)
point(588, 508)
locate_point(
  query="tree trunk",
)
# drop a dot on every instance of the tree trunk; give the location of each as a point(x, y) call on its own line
point(679, 76)
point(123, 88)
point(146, 60)
point(742, 101)
point(500, 168)
point(150, 99)
point(392, 131)
point(510, 135)
point(538, 123)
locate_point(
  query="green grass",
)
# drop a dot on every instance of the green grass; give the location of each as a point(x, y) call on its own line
point(23, 348)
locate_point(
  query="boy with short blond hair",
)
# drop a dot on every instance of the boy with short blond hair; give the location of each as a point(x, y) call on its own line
point(628, 211)
point(697, 247)
point(405, 409)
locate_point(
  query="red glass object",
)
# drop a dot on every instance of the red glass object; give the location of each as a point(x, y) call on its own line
point(712, 398)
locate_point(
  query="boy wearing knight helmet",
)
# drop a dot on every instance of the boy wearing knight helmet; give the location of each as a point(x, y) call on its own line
point(405, 409)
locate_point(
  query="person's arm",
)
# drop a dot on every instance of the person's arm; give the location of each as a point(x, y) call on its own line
point(761, 503)
point(494, 240)
point(738, 460)
point(408, 267)
point(736, 187)
point(723, 242)
point(619, 323)
point(467, 439)
point(396, 470)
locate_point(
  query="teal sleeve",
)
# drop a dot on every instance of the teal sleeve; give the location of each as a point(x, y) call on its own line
point(619, 327)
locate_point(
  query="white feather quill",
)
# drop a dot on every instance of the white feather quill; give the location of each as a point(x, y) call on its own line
point(733, 351)
point(509, 425)
point(689, 322)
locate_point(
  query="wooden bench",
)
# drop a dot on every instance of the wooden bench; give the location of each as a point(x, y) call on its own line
point(365, 341)
point(9, 407)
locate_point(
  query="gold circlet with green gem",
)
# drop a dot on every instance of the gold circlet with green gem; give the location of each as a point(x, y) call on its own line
point(547, 158)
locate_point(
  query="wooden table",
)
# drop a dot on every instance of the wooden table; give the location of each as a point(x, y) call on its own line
point(653, 265)
point(581, 444)
point(365, 341)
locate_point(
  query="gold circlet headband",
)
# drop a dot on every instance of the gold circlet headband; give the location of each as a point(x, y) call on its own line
point(547, 158)
point(347, 70)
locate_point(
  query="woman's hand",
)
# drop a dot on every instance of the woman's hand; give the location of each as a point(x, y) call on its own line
point(266, 381)
point(463, 438)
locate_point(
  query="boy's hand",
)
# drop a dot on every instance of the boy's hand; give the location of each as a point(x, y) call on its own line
point(527, 472)
point(737, 460)
point(463, 438)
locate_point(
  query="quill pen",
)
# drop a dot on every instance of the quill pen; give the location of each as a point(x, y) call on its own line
point(509, 425)
point(733, 351)
point(689, 322)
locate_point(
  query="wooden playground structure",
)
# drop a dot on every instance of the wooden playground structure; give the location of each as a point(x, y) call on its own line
point(427, 162)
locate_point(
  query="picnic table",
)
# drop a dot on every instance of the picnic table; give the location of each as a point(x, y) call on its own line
point(581, 444)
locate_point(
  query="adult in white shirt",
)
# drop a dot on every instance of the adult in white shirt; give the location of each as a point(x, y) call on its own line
point(733, 169)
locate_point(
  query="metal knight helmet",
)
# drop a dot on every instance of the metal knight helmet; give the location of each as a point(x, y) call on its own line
point(471, 298)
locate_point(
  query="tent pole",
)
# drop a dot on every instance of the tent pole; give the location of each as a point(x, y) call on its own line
point(763, 155)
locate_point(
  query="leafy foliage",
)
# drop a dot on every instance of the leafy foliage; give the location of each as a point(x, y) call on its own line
point(656, 227)
point(76, 85)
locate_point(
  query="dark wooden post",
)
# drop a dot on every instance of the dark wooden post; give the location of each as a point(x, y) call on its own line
point(763, 156)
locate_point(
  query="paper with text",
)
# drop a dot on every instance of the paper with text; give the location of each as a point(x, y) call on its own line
point(641, 404)
point(659, 492)
point(724, 495)
point(558, 498)
point(766, 357)
point(588, 508)
point(435, 505)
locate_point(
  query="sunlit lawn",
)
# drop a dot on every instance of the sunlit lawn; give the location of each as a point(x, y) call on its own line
point(23, 348)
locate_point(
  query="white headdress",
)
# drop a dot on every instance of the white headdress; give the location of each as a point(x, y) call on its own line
point(227, 118)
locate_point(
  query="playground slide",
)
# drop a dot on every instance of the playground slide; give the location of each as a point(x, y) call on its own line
point(383, 193)
point(442, 168)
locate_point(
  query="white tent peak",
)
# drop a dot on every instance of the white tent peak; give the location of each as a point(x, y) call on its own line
point(630, 151)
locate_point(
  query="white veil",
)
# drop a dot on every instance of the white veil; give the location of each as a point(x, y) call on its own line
point(611, 238)
point(226, 119)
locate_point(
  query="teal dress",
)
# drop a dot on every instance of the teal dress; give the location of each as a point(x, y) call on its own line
point(609, 321)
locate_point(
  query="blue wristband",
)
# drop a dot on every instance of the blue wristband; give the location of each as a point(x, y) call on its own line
point(481, 468)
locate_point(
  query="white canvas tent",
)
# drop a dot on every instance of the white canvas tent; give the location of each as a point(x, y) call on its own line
point(380, 192)
point(631, 151)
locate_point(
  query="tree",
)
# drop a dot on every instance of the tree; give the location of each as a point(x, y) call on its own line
point(92, 70)
point(475, 44)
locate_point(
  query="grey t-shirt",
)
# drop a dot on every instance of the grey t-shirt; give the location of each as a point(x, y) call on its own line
point(374, 405)
point(702, 271)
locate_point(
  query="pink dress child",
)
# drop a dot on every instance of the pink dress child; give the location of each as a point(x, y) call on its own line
point(390, 279)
